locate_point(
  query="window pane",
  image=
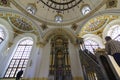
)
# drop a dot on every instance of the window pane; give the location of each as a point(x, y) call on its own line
point(91, 45)
point(114, 32)
point(20, 58)
point(2, 35)
point(31, 8)
point(85, 10)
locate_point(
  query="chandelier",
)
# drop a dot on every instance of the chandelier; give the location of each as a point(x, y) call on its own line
point(61, 5)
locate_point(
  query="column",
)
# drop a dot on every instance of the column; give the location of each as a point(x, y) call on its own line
point(33, 64)
point(45, 62)
point(76, 68)
point(38, 66)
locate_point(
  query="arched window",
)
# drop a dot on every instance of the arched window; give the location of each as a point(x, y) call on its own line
point(2, 35)
point(31, 8)
point(91, 45)
point(114, 32)
point(85, 9)
point(58, 18)
point(20, 58)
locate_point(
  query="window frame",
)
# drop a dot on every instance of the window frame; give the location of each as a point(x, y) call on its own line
point(93, 47)
point(21, 57)
point(114, 32)
point(2, 35)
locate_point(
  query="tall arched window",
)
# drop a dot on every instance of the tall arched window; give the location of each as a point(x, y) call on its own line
point(114, 32)
point(20, 58)
point(85, 9)
point(2, 35)
point(91, 45)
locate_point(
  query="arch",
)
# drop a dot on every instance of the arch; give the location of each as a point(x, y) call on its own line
point(9, 34)
point(94, 38)
point(92, 42)
point(4, 11)
point(2, 35)
point(105, 12)
point(108, 26)
point(20, 56)
point(59, 31)
point(24, 35)
point(16, 42)
point(8, 29)
point(114, 32)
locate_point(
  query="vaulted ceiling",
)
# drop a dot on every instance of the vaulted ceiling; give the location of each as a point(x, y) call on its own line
point(46, 10)
point(70, 10)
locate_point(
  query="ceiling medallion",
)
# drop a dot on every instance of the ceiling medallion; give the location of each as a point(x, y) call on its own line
point(21, 24)
point(4, 2)
point(61, 5)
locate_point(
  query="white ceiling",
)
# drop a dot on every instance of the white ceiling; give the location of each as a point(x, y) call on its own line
point(45, 14)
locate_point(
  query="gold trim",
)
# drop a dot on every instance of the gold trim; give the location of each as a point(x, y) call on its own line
point(10, 44)
point(78, 78)
point(35, 79)
point(40, 44)
point(111, 3)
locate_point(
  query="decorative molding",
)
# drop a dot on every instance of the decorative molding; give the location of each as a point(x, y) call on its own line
point(21, 24)
point(78, 78)
point(111, 3)
point(74, 27)
point(5, 3)
point(10, 14)
point(44, 27)
point(63, 23)
point(63, 5)
point(59, 31)
point(40, 44)
point(94, 26)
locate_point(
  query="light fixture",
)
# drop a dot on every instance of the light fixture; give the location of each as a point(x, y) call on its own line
point(58, 18)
